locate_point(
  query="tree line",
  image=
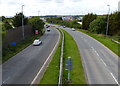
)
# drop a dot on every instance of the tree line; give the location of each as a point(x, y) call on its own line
point(98, 24)
point(58, 20)
point(16, 21)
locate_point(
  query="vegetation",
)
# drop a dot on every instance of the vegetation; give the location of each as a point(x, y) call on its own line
point(98, 25)
point(58, 20)
point(37, 24)
point(71, 50)
point(7, 23)
point(114, 24)
point(17, 20)
point(13, 50)
point(87, 19)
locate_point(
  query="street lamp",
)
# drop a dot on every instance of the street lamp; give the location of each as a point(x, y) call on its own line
point(22, 22)
point(107, 20)
point(38, 13)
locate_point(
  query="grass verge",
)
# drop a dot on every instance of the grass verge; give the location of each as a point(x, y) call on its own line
point(107, 41)
point(51, 75)
point(10, 51)
point(70, 49)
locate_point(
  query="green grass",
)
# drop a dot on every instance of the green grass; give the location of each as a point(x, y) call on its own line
point(71, 49)
point(10, 51)
point(107, 41)
point(51, 75)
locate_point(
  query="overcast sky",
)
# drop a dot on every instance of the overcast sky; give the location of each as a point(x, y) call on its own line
point(57, 7)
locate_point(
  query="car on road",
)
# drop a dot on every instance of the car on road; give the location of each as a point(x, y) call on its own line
point(37, 42)
point(48, 29)
point(64, 26)
point(73, 29)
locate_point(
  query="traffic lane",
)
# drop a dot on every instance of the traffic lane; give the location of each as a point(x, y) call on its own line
point(95, 69)
point(77, 37)
point(109, 59)
point(32, 57)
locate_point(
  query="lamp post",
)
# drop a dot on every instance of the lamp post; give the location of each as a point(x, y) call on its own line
point(38, 13)
point(107, 20)
point(22, 22)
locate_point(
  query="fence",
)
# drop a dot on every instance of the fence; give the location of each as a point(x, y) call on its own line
point(15, 35)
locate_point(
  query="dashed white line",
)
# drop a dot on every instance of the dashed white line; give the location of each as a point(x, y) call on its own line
point(103, 62)
point(115, 79)
point(106, 66)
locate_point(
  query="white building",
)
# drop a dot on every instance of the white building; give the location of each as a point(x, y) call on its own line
point(67, 18)
point(119, 6)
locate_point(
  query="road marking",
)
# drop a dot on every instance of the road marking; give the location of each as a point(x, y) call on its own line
point(46, 60)
point(103, 62)
point(106, 66)
point(115, 79)
point(6, 79)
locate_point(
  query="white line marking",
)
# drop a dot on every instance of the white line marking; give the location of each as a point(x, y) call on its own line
point(103, 62)
point(46, 60)
point(6, 79)
point(115, 79)
point(92, 48)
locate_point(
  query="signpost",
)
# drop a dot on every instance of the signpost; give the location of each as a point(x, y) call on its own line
point(36, 32)
point(68, 66)
point(14, 43)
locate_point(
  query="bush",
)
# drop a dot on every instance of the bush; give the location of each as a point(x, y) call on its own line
point(87, 19)
point(37, 24)
point(98, 25)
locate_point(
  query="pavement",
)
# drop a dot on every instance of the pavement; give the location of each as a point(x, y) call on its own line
point(23, 67)
point(100, 64)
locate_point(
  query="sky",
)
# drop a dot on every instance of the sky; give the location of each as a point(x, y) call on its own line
point(57, 7)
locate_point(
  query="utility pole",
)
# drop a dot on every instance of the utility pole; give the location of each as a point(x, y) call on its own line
point(107, 20)
point(22, 22)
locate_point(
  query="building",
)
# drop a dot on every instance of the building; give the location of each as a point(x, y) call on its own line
point(119, 6)
point(67, 18)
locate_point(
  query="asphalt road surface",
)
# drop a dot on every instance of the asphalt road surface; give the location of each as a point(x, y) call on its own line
point(100, 64)
point(23, 67)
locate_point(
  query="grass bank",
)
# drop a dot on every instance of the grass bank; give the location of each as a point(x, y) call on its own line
point(10, 51)
point(51, 75)
point(77, 75)
point(107, 41)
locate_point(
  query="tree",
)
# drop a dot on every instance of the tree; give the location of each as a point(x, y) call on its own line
point(87, 19)
point(7, 25)
point(17, 20)
point(98, 25)
point(36, 23)
point(114, 24)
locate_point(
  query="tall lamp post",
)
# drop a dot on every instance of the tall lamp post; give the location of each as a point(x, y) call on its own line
point(38, 13)
point(22, 22)
point(107, 20)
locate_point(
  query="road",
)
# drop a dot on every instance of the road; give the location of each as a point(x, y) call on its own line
point(23, 67)
point(100, 64)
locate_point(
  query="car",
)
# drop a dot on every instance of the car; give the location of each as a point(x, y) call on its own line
point(73, 29)
point(37, 42)
point(48, 29)
point(64, 26)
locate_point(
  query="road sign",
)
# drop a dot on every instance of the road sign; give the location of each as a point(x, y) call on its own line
point(68, 63)
point(36, 32)
point(13, 43)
